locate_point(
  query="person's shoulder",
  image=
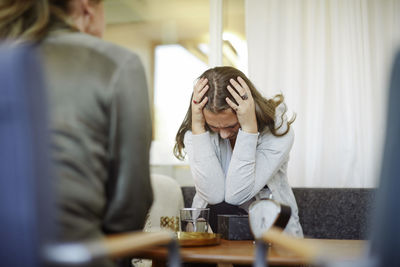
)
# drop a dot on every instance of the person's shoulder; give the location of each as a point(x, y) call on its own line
point(92, 44)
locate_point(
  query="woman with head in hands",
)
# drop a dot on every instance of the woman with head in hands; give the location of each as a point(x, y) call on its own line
point(238, 143)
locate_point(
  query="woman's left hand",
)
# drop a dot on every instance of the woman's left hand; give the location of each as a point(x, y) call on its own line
point(245, 111)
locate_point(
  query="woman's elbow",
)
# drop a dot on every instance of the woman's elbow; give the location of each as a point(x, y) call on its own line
point(212, 199)
point(215, 199)
point(233, 199)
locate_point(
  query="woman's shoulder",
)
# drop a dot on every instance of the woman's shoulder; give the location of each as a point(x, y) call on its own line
point(187, 136)
point(85, 43)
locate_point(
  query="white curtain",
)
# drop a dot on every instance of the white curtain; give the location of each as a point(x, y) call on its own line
point(331, 60)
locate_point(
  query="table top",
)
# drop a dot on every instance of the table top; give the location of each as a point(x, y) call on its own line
point(242, 252)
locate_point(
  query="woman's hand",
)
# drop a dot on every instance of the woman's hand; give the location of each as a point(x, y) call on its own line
point(198, 121)
point(245, 111)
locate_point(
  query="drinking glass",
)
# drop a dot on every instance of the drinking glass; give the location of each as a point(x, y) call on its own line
point(194, 219)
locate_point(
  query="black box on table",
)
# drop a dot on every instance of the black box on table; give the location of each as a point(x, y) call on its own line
point(234, 227)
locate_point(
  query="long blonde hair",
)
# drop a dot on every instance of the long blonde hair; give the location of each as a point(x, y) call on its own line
point(31, 20)
point(218, 79)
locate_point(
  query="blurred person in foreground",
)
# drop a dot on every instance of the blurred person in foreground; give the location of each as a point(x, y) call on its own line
point(99, 116)
point(238, 143)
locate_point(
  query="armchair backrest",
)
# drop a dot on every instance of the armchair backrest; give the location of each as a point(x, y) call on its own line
point(335, 213)
point(168, 200)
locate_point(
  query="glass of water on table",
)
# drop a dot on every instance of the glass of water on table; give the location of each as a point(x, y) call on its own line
point(194, 219)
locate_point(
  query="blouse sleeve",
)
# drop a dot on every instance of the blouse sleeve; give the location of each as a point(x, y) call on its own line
point(254, 162)
point(129, 192)
point(206, 169)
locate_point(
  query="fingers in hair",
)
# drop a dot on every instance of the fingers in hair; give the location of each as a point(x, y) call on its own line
point(235, 95)
point(231, 104)
point(238, 87)
point(243, 84)
point(203, 102)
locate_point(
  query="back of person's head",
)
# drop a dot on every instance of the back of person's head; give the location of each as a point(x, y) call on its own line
point(31, 20)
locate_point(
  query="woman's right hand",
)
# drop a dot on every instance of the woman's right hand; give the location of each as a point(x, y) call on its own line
point(198, 121)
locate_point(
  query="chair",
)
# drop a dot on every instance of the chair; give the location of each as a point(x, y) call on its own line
point(335, 213)
point(167, 201)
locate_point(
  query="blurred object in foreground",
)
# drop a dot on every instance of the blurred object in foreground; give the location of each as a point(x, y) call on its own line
point(385, 230)
point(25, 187)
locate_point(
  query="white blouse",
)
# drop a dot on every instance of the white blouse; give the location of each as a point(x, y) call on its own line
point(239, 177)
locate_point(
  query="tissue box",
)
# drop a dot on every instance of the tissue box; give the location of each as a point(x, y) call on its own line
point(234, 227)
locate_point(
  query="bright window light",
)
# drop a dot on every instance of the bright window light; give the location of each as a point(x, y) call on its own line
point(241, 49)
point(176, 71)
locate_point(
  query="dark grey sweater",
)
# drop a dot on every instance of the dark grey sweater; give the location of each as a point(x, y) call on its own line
point(101, 134)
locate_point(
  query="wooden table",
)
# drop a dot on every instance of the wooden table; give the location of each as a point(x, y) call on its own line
point(242, 252)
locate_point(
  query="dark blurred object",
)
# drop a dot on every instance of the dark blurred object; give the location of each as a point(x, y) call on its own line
point(93, 252)
point(220, 209)
point(385, 237)
point(234, 227)
point(25, 186)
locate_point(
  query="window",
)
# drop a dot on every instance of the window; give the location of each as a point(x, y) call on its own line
point(175, 72)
